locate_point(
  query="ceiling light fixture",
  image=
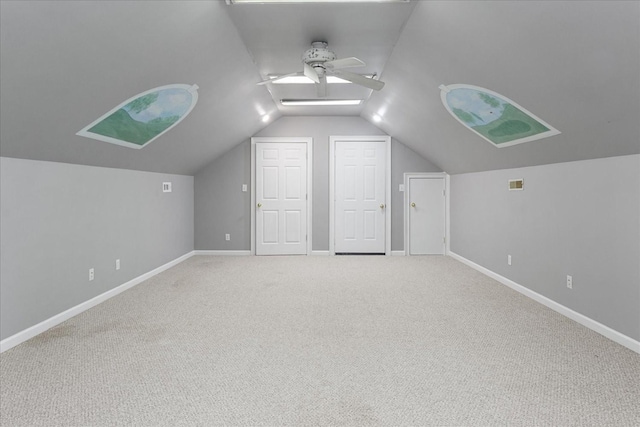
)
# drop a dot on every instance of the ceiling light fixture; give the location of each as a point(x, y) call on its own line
point(376, 118)
point(315, 102)
point(265, 118)
point(313, 1)
point(306, 80)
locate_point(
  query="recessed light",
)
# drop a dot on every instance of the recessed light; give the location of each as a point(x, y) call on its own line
point(376, 118)
point(308, 102)
point(265, 118)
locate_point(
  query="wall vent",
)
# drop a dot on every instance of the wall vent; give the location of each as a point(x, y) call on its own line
point(516, 184)
point(166, 187)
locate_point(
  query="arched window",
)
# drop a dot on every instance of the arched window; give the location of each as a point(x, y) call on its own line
point(494, 117)
point(143, 118)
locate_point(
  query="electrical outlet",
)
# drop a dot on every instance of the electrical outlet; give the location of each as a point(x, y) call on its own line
point(244, 188)
point(569, 282)
point(117, 264)
point(227, 237)
point(509, 259)
point(91, 274)
point(401, 187)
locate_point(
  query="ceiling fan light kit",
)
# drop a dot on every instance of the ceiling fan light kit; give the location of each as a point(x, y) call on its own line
point(300, 79)
point(319, 62)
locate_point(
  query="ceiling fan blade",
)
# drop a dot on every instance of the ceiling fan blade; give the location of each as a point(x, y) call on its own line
point(360, 80)
point(264, 82)
point(311, 73)
point(345, 63)
point(322, 87)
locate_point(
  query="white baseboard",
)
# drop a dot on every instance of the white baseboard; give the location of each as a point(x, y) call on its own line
point(320, 253)
point(397, 253)
point(45, 325)
point(222, 253)
point(598, 327)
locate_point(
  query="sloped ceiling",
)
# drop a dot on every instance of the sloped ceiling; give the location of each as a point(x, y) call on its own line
point(574, 64)
point(64, 64)
point(276, 35)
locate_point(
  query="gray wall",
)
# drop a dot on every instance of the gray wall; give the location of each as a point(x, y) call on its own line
point(220, 205)
point(578, 218)
point(58, 220)
point(221, 208)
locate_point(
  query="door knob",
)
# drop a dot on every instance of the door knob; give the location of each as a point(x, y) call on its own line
point(413, 205)
point(381, 205)
point(259, 205)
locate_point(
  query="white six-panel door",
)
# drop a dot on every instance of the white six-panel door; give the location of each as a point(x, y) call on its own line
point(426, 216)
point(281, 198)
point(360, 197)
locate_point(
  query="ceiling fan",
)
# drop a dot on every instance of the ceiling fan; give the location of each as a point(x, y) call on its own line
point(319, 61)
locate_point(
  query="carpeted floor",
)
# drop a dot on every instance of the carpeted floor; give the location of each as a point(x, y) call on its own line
point(300, 341)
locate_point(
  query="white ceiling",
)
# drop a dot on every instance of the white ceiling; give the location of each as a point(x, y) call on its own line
point(574, 64)
point(277, 35)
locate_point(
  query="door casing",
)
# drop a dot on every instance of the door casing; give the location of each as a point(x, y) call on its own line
point(407, 177)
point(332, 185)
point(303, 140)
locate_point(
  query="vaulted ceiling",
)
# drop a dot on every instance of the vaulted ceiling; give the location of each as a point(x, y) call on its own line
point(63, 64)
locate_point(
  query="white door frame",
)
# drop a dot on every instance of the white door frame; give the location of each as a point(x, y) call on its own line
point(433, 175)
point(332, 186)
point(305, 140)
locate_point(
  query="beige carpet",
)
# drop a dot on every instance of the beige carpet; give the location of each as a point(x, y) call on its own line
point(320, 341)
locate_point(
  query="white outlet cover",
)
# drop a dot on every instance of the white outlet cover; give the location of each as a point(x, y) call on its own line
point(244, 188)
point(401, 187)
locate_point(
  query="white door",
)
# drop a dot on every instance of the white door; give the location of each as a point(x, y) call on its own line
point(360, 189)
point(426, 216)
point(281, 198)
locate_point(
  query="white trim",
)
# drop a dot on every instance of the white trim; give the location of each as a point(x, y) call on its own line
point(447, 201)
point(45, 325)
point(332, 186)
point(428, 175)
point(398, 253)
point(320, 253)
point(595, 326)
point(303, 139)
point(222, 253)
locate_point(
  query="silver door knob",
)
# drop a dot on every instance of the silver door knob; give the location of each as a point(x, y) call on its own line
point(413, 205)
point(259, 205)
point(381, 205)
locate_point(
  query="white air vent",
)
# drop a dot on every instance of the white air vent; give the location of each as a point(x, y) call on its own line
point(166, 187)
point(516, 184)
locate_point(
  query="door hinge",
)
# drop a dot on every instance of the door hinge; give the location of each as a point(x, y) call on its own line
point(444, 240)
point(443, 192)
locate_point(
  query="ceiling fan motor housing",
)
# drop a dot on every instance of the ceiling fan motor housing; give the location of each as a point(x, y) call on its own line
point(317, 55)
